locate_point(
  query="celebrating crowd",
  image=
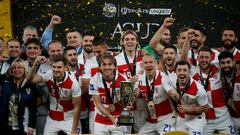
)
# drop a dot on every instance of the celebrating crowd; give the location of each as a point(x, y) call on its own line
point(50, 88)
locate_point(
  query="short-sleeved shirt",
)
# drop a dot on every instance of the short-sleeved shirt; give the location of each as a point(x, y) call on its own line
point(195, 95)
point(217, 106)
point(160, 96)
point(61, 93)
point(123, 66)
point(96, 87)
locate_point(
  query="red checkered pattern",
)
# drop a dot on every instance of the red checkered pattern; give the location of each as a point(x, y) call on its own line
point(215, 95)
point(97, 88)
point(64, 91)
point(123, 67)
point(160, 97)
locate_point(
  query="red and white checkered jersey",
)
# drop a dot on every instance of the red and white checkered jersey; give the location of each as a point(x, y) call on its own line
point(236, 53)
point(236, 98)
point(85, 96)
point(194, 96)
point(160, 96)
point(171, 75)
point(61, 95)
point(91, 68)
point(123, 67)
point(86, 65)
point(217, 106)
point(96, 87)
point(215, 60)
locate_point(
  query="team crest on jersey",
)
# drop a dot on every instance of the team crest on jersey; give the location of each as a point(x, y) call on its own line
point(28, 90)
point(91, 87)
point(66, 92)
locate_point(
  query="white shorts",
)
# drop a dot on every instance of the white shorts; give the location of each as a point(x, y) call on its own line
point(222, 124)
point(194, 125)
point(164, 124)
point(140, 114)
point(236, 123)
point(102, 129)
point(92, 116)
point(52, 127)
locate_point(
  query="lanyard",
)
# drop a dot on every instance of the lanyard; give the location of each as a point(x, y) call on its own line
point(150, 91)
point(84, 59)
point(111, 97)
point(132, 71)
point(194, 61)
point(15, 102)
point(77, 73)
point(228, 89)
point(17, 93)
point(180, 92)
point(58, 90)
point(207, 80)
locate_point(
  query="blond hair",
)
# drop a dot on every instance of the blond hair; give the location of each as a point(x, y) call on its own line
point(126, 33)
point(22, 63)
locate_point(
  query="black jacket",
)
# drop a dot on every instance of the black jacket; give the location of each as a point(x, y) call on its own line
point(28, 98)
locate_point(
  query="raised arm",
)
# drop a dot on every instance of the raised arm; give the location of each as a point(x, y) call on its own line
point(154, 42)
point(32, 74)
point(47, 34)
point(186, 46)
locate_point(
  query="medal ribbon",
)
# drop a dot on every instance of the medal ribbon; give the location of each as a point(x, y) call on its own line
point(111, 97)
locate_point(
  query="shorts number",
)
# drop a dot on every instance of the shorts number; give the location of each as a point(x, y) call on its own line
point(166, 128)
point(232, 130)
point(196, 133)
point(78, 130)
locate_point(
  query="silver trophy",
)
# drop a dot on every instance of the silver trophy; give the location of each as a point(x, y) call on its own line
point(126, 90)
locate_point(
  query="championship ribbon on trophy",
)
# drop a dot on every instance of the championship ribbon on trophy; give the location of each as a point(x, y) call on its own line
point(126, 90)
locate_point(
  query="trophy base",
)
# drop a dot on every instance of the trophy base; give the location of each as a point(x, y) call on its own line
point(125, 120)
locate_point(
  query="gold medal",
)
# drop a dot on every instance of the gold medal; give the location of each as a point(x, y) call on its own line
point(150, 105)
point(151, 109)
point(112, 108)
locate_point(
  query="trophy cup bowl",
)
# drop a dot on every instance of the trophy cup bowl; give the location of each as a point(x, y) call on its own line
point(126, 90)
